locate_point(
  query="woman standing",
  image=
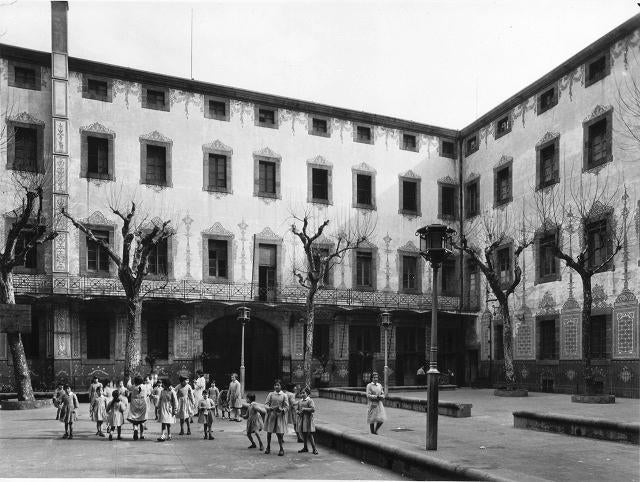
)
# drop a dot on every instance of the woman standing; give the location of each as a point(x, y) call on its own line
point(92, 391)
point(138, 407)
point(234, 397)
point(185, 404)
point(277, 405)
point(376, 414)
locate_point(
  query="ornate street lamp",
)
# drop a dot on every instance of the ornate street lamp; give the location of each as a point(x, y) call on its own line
point(244, 315)
point(436, 245)
point(385, 321)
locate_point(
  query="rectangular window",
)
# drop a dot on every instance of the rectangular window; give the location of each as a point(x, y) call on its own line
point(363, 189)
point(217, 258)
point(267, 263)
point(547, 166)
point(448, 200)
point(472, 199)
point(321, 341)
point(25, 149)
point(31, 341)
point(503, 126)
point(503, 185)
point(598, 336)
point(548, 339)
point(319, 184)
point(156, 165)
point(158, 338)
point(473, 284)
point(318, 254)
point(448, 282)
point(31, 259)
point(447, 149)
point(597, 70)
point(547, 266)
point(218, 172)
point(409, 142)
point(599, 243)
point(97, 89)
point(409, 272)
point(158, 259)
point(319, 127)
point(363, 134)
point(267, 177)
point(155, 99)
point(547, 100)
point(25, 77)
point(98, 339)
point(471, 145)
point(97, 256)
point(97, 157)
point(364, 269)
point(218, 109)
point(266, 117)
point(598, 149)
point(410, 196)
point(504, 265)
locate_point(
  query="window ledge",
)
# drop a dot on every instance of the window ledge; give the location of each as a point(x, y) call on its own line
point(321, 201)
point(97, 177)
point(551, 184)
point(369, 207)
point(319, 134)
point(268, 126)
point(361, 141)
point(408, 212)
point(548, 279)
point(213, 190)
point(153, 185)
point(268, 195)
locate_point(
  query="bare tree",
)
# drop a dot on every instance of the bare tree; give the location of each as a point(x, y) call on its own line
point(587, 204)
point(491, 231)
point(27, 231)
point(627, 110)
point(320, 260)
point(139, 239)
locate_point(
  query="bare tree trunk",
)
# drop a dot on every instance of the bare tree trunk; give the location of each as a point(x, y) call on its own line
point(132, 344)
point(21, 374)
point(507, 343)
point(587, 302)
point(308, 349)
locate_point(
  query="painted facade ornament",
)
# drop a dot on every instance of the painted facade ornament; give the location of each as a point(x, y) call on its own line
point(218, 230)
point(600, 298)
point(25, 118)
point(319, 160)
point(98, 219)
point(576, 76)
point(60, 138)
point(267, 152)
point(243, 109)
point(293, 116)
point(60, 174)
point(363, 166)
point(447, 180)
point(187, 220)
point(97, 128)
point(156, 136)
point(192, 98)
point(625, 239)
point(597, 111)
point(341, 126)
point(472, 176)
point(243, 254)
point(524, 373)
point(625, 374)
point(60, 254)
point(381, 131)
point(409, 247)
point(267, 233)
point(217, 145)
point(637, 218)
point(549, 136)
point(410, 174)
point(127, 88)
point(504, 160)
point(570, 231)
point(547, 306)
point(486, 132)
point(387, 270)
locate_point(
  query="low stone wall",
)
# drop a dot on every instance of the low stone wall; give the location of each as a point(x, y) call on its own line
point(578, 426)
point(449, 409)
point(392, 456)
point(407, 388)
point(25, 405)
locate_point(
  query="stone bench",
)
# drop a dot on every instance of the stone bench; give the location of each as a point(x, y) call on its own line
point(449, 409)
point(578, 426)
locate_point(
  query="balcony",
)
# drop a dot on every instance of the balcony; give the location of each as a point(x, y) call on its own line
point(195, 290)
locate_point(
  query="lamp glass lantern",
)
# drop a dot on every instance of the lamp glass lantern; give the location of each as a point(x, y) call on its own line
point(244, 314)
point(436, 242)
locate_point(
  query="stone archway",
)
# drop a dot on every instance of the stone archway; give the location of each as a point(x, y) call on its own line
point(221, 340)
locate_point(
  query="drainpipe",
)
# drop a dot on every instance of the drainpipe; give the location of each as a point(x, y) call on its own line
point(461, 224)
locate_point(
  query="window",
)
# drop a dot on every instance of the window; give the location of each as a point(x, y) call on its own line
point(547, 100)
point(410, 195)
point(502, 180)
point(31, 341)
point(25, 149)
point(156, 163)
point(409, 142)
point(503, 126)
point(409, 273)
point(158, 338)
point(364, 339)
point(267, 117)
point(547, 349)
point(363, 193)
point(155, 99)
point(498, 342)
point(447, 149)
point(319, 127)
point(267, 271)
point(32, 260)
point(217, 258)
point(24, 75)
point(319, 253)
point(363, 133)
point(320, 184)
point(364, 269)
point(97, 89)
point(598, 336)
point(320, 341)
point(597, 70)
point(472, 198)
point(597, 134)
point(158, 259)
point(98, 337)
point(216, 108)
point(503, 261)
point(473, 284)
point(217, 172)
point(547, 265)
point(98, 157)
point(471, 144)
point(97, 255)
point(448, 278)
point(448, 201)
point(267, 177)
point(548, 169)
point(599, 244)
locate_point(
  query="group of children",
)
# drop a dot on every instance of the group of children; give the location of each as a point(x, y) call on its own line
point(137, 402)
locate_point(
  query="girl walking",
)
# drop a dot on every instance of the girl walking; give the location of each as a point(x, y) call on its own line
point(93, 387)
point(68, 406)
point(233, 397)
point(185, 404)
point(277, 405)
point(205, 414)
point(305, 425)
point(376, 414)
point(116, 410)
point(138, 407)
point(255, 423)
point(98, 410)
point(167, 404)
point(214, 395)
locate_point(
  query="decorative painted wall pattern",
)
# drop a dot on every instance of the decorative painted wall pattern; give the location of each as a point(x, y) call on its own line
point(599, 298)
point(75, 333)
point(62, 332)
point(60, 203)
point(625, 326)
point(343, 126)
point(60, 254)
point(568, 80)
point(547, 305)
point(187, 222)
point(386, 133)
point(121, 335)
point(524, 335)
point(60, 184)
point(570, 338)
point(293, 116)
point(127, 88)
point(485, 132)
point(182, 337)
point(177, 96)
point(61, 134)
point(243, 109)
point(387, 271)
point(243, 254)
point(25, 118)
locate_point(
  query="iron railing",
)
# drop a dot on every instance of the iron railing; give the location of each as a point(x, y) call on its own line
point(194, 290)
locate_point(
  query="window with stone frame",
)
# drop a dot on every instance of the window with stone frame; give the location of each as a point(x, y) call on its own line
point(449, 283)
point(597, 69)
point(548, 343)
point(363, 133)
point(266, 117)
point(409, 196)
point(597, 141)
point(267, 177)
point(599, 238)
point(319, 184)
point(547, 99)
point(97, 157)
point(25, 149)
point(218, 109)
point(318, 254)
point(598, 336)
point(155, 165)
point(471, 144)
point(504, 265)
point(447, 201)
point(447, 149)
point(472, 198)
point(33, 261)
point(547, 265)
point(24, 75)
point(158, 338)
point(410, 275)
point(97, 256)
point(159, 259)
point(217, 173)
point(503, 126)
point(319, 126)
point(364, 273)
point(98, 336)
point(364, 190)
point(472, 284)
point(503, 193)
point(97, 88)
point(156, 98)
point(548, 163)
point(217, 259)
point(409, 142)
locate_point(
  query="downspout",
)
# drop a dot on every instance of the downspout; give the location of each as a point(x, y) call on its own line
point(461, 224)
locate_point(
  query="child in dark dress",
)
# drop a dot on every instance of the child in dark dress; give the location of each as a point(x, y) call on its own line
point(255, 423)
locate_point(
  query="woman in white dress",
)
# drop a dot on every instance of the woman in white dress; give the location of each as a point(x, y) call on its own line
point(138, 407)
point(376, 414)
point(234, 397)
point(167, 404)
point(199, 384)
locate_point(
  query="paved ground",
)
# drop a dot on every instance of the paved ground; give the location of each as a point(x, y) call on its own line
point(30, 446)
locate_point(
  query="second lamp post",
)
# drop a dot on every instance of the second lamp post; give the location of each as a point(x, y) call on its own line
point(385, 321)
point(244, 315)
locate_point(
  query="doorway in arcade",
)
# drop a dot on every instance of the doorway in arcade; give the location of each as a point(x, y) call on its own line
point(221, 341)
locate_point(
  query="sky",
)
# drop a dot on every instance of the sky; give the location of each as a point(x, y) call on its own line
point(438, 62)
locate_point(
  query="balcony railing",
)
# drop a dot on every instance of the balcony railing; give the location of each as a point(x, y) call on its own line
point(194, 290)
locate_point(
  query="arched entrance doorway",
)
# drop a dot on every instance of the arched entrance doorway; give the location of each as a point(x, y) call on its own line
point(221, 340)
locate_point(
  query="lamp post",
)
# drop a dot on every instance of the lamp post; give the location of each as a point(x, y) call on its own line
point(435, 247)
point(244, 315)
point(385, 321)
